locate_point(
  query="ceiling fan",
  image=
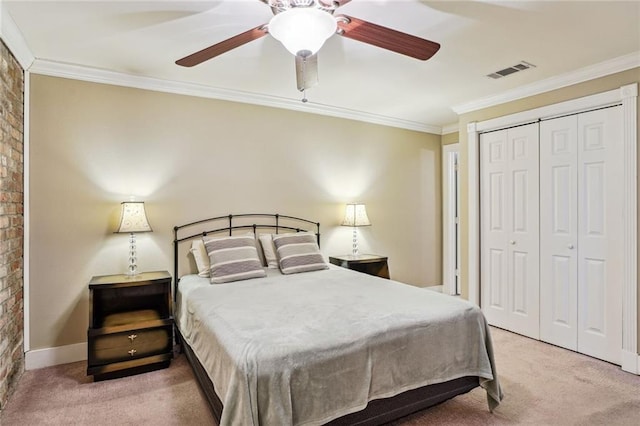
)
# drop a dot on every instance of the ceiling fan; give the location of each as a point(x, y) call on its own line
point(303, 26)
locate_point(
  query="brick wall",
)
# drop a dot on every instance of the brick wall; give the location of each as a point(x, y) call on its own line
point(11, 222)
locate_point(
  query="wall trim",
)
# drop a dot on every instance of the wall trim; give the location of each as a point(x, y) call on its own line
point(619, 64)
point(631, 362)
point(14, 40)
point(26, 213)
point(571, 106)
point(48, 357)
point(627, 95)
point(450, 199)
point(473, 205)
point(77, 72)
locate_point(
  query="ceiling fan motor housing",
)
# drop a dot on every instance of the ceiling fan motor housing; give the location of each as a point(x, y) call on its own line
point(279, 6)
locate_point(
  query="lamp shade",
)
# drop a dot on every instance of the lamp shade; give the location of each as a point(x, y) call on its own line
point(356, 215)
point(302, 30)
point(134, 218)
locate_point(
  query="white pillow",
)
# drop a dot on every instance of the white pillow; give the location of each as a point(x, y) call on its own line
point(269, 250)
point(201, 257)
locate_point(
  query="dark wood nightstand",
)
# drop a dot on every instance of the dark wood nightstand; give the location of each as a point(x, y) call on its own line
point(130, 324)
point(368, 263)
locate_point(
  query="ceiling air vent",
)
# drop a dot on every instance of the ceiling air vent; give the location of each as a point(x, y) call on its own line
point(521, 66)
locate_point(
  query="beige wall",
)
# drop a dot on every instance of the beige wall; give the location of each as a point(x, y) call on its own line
point(450, 138)
point(599, 85)
point(93, 146)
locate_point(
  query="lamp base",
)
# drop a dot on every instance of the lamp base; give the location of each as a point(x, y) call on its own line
point(354, 250)
point(133, 267)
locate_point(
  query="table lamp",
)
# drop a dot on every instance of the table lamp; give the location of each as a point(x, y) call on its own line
point(133, 220)
point(355, 216)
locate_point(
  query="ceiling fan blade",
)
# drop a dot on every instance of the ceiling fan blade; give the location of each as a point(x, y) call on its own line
point(306, 71)
point(386, 38)
point(222, 47)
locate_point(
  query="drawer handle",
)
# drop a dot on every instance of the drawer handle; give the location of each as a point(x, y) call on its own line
point(132, 336)
point(132, 352)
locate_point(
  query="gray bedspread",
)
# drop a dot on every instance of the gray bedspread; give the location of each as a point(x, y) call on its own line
point(304, 349)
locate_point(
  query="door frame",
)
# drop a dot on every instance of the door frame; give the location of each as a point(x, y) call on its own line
point(627, 96)
point(450, 219)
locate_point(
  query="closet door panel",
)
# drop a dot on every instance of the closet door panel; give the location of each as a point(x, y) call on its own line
point(520, 269)
point(494, 295)
point(521, 282)
point(600, 227)
point(524, 265)
point(559, 232)
point(510, 226)
point(497, 278)
point(562, 306)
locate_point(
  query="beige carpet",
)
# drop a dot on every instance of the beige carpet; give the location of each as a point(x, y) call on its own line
point(544, 385)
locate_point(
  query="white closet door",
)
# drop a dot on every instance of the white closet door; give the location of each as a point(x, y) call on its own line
point(510, 227)
point(559, 232)
point(495, 230)
point(600, 233)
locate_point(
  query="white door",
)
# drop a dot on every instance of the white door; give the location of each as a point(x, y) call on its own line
point(510, 227)
point(559, 232)
point(600, 233)
point(581, 232)
point(450, 222)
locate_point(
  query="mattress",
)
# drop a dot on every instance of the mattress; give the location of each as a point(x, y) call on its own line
point(307, 348)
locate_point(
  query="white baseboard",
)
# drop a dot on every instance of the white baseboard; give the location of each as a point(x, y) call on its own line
point(630, 362)
point(40, 358)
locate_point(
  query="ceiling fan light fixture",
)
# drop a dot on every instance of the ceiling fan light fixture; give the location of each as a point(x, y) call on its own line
point(302, 29)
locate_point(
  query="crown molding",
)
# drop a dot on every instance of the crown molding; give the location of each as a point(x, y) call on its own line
point(450, 128)
point(619, 64)
point(78, 72)
point(13, 38)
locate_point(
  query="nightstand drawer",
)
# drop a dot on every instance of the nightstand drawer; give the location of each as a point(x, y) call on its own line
point(132, 317)
point(129, 345)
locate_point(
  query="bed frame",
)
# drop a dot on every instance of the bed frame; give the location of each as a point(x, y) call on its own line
point(378, 411)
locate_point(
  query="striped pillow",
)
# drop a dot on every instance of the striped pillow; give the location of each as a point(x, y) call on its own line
point(298, 253)
point(233, 259)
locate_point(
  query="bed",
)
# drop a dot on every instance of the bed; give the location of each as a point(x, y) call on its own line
point(323, 346)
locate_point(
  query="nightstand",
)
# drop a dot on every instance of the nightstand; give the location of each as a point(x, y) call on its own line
point(368, 263)
point(130, 324)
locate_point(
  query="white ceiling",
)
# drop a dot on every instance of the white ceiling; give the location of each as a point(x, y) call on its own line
point(144, 38)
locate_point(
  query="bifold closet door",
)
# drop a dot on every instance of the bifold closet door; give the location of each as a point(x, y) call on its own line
point(559, 232)
point(509, 225)
point(581, 232)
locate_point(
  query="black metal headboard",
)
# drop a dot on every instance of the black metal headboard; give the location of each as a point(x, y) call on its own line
point(250, 221)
